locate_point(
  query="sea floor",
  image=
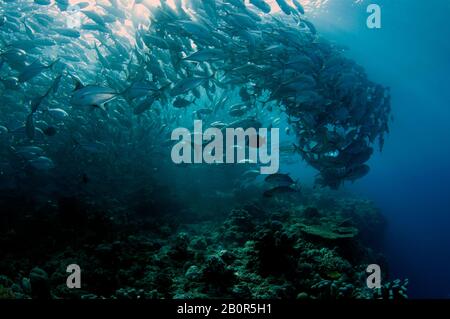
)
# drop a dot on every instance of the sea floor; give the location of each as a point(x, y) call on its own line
point(314, 247)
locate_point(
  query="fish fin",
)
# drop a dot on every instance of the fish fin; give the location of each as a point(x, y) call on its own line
point(101, 107)
point(78, 84)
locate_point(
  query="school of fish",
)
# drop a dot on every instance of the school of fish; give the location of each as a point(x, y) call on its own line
point(117, 82)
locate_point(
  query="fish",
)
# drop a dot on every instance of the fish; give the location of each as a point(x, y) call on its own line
point(28, 152)
point(299, 6)
point(279, 190)
point(95, 17)
point(141, 89)
point(50, 131)
point(11, 83)
point(42, 163)
point(284, 6)
point(238, 110)
point(250, 174)
point(232, 63)
point(180, 103)
point(42, 2)
point(93, 95)
point(68, 32)
point(145, 104)
point(279, 179)
point(57, 113)
point(261, 5)
point(188, 84)
point(15, 57)
point(205, 55)
point(34, 69)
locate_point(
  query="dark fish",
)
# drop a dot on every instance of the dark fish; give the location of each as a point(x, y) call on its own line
point(261, 5)
point(279, 190)
point(279, 179)
point(50, 131)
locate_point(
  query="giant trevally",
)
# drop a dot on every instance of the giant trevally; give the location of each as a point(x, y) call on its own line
point(93, 95)
point(261, 5)
point(205, 55)
point(299, 7)
point(67, 32)
point(188, 84)
point(34, 69)
point(41, 163)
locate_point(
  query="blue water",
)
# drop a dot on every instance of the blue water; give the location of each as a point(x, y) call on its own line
point(410, 180)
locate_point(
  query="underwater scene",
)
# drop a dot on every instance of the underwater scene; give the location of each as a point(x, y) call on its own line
point(224, 149)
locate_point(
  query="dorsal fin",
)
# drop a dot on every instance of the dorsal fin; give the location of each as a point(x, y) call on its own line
point(78, 84)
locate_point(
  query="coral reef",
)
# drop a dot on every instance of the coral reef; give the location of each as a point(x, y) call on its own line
point(316, 249)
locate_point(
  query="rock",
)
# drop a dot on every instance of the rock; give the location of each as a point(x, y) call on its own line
point(311, 213)
point(199, 243)
point(329, 231)
point(6, 293)
point(227, 256)
point(40, 287)
point(302, 296)
point(89, 297)
point(193, 273)
point(217, 273)
point(5, 281)
point(26, 285)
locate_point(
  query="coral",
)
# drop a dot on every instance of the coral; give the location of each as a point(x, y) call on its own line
point(6, 293)
point(238, 226)
point(40, 285)
point(333, 289)
point(395, 290)
point(217, 275)
point(274, 251)
point(307, 250)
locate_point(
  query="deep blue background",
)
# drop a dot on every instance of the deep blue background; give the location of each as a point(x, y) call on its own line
point(410, 180)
